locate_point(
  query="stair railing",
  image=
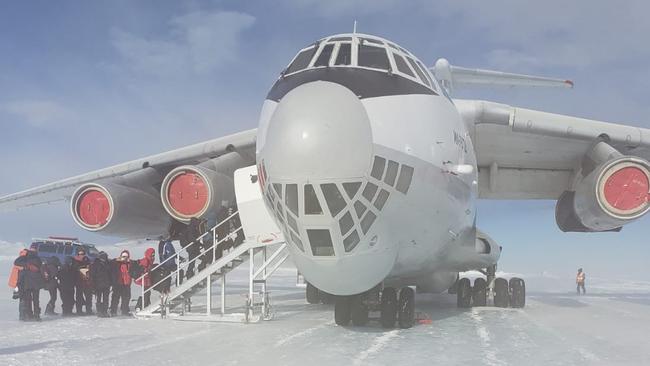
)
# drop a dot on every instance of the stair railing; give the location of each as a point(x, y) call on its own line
point(177, 255)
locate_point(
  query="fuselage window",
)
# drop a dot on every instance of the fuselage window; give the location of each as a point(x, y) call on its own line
point(378, 168)
point(321, 242)
point(333, 197)
point(324, 58)
point(369, 191)
point(297, 241)
point(373, 57)
point(391, 173)
point(367, 221)
point(344, 57)
point(404, 180)
point(351, 241)
point(291, 198)
point(301, 61)
point(312, 207)
point(292, 222)
point(402, 66)
point(346, 223)
point(418, 71)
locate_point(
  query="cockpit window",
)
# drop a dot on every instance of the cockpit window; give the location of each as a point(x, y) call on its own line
point(324, 58)
point(402, 66)
point(301, 61)
point(344, 57)
point(336, 39)
point(424, 70)
point(373, 57)
point(418, 71)
point(370, 40)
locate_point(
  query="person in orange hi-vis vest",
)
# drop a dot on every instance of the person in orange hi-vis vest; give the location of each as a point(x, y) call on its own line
point(580, 282)
point(13, 283)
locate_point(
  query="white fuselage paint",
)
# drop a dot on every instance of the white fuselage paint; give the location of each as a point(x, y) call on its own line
point(424, 237)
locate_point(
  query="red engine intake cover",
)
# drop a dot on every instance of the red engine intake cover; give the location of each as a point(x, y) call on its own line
point(187, 193)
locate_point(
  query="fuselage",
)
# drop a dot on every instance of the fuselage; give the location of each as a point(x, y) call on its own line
point(357, 150)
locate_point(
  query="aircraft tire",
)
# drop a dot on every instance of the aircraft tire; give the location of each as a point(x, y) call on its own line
point(388, 307)
point(358, 311)
point(479, 292)
point(312, 294)
point(464, 293)
point(406, 308)
point(342, 310)
point(501, 293)
point(517, 292)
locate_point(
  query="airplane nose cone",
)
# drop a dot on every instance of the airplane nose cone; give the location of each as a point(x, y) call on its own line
point(319, 130)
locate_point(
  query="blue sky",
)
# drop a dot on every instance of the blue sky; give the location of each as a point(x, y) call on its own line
point(87, 84)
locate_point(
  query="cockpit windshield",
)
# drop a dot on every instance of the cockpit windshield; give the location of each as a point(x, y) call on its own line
point(361, 51)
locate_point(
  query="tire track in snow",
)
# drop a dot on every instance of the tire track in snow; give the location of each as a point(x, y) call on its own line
point(585, 354)
point(376, 346)
point(305, 332)
point(483, 334)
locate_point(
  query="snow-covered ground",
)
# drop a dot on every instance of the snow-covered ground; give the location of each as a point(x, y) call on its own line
point(607, 327)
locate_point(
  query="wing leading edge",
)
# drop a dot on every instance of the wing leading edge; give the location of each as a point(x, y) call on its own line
point(243, 142)
point(528, 154)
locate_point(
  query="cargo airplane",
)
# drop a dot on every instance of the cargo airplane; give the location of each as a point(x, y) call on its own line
point(372, 172)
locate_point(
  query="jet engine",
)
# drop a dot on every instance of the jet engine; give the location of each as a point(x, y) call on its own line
point(127, 207)
point(200, 190)
point(612, 194)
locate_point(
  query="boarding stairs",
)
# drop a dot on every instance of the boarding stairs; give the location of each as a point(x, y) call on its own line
point(177, 303)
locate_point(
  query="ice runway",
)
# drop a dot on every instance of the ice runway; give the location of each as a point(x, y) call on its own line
point(607, 328)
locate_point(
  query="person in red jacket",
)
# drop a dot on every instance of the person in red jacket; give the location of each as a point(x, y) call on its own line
point(122, 270)
point(146, 265)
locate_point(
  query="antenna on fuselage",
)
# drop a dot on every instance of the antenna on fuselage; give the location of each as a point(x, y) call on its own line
point(354, 27)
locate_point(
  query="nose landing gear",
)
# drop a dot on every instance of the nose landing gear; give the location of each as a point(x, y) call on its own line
point(358, 308)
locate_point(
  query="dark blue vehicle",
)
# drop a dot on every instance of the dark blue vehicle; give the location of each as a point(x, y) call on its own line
point(62, 247)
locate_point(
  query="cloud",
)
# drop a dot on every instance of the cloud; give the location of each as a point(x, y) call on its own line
point(38, 113)
point(199, 42)
point(555, 32)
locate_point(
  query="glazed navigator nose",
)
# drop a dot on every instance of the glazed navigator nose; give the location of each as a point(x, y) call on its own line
point(319, 130)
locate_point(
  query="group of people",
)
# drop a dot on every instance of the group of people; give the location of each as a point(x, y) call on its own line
point(78, 279)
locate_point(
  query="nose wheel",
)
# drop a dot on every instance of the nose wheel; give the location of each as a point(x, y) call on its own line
point(391, 308)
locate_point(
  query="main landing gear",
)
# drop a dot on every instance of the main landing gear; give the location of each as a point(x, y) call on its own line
point(393, 309)
point(503, 293)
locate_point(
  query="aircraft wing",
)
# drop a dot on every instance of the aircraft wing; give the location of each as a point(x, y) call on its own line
point(243, 142)
point(527, 154)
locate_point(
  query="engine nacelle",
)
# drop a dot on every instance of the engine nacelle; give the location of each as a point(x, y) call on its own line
point(114, 209)
point(613, 194)
point(201, 190)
